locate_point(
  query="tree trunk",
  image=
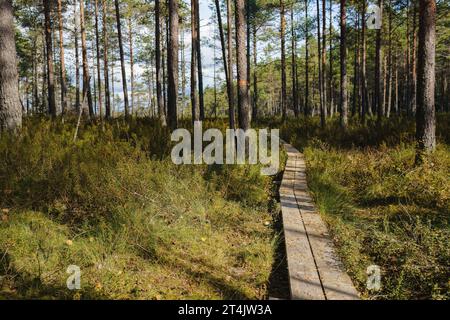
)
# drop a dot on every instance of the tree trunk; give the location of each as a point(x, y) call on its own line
point(241, 42)
point(255, 74)
point(122, 60)
point(414, 63)
point(306, 107)
point(64, 104)
point(105, 62)
point(389, 63)
point(425, 117)
point(86, 77)
point(77, 60)
point(324, 59)
point(343, 95)
point(172, 64)
point(379, 105)
point(231, 111)
point(130, 35)
point(319, 63)
point(199, 62)
point(194, 57)
point(10, 108)
point(50, 67)
point(225, 65)
point(283, 60)
point(159, 98)
point(365, 100)
point(331, 72)
point(97, 45)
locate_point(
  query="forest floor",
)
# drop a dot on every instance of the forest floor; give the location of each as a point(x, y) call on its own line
point(138, 226)
point(380, 208)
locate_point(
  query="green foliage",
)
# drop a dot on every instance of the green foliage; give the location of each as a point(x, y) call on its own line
point(137, 225)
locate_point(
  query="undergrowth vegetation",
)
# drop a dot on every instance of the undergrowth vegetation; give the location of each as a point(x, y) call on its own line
point(380, 207)
point(138, 226)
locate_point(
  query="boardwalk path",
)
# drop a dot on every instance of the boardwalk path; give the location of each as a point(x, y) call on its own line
point(315, 271)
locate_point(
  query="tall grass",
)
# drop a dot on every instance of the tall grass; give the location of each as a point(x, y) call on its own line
point(138, 226)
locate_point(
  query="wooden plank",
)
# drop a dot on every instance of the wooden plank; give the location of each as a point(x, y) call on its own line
point(315, 271)
point(303, 277)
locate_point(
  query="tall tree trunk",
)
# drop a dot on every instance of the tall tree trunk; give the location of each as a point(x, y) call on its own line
point(283, 59)
point(86, 77)
point(294, 63)
point(241, 41)
point(389, 63)
point(255, 74)
point(77, 59)
point(64, 104)
point(319, 62)
point(407, 84)
point(414, 62)
point(159, 97)
point(194, 57)
point(331, 71)
point(105, 61)
point(306, 108)
point(379, 105)
point(343, 95)
point(97, 45)
point(130, 35)
point(324, 57)
point(10, 108)
point(365, 100)
point(122, 60)
point(425, 117)
point(224, 58)
point(231, 110)
point(199, 62)
point(356, 69)
point(172, 64)
point(50, 68)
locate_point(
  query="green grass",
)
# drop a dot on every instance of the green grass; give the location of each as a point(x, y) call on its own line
point(382, 209)
point(138, 226)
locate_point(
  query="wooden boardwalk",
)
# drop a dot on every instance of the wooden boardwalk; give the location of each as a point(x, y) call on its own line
point(315, 271)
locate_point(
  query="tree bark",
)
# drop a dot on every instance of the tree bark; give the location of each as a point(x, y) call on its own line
point(225, 65)
point(122, 60)
point(283, 60)
point(241, 41)
point(255, 74)
point(365, 100)
point(379, 103)
point(97, 45)
point(77, 60)
point(425, 116)
point(159, 98)
point(86, 77)
point(199, 62)
point(343, 94)
point(194, 57)
point(172, 64)
point(294, 64)
point(306, 108)
point(231, 111)
point(130, 35)
point(10, 108)
point(319, 63)
point(64, 104)
point(50, 67)
point(105, 62)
